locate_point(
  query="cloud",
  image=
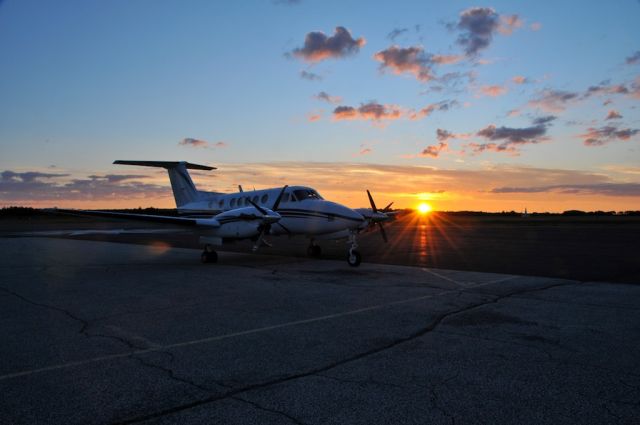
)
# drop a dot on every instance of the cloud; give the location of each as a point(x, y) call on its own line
point(519, 79)
point(115, 178)
point(314, 117)
point(465, 189)
point(511, 138)
point(547, 119)
point(509, 23)
point(194, 143)
point(35, 186)
point(633, 59)
point(310, 76)
point(613, 114)
point(606, 88)
point(493, 91)
point(535, 26)
point(410, 60)
point(606, 189)
point(434, 150)
point(444, 135)
point(365, 151)
point(443, 105)
point(372, 111)
point(477, 26)
point(446, 59)
point(328, 98)
point(318, 46)
point(396, 32)
point(27, 177)
point(553, 100)
point(345, 113)
point(607, 134)
point(197, 143)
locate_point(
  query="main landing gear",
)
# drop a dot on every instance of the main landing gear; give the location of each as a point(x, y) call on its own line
point(354, 258)
point(209, 255)
point(314, 250)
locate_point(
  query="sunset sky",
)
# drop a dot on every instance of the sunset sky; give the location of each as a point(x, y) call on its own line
point(472, 106)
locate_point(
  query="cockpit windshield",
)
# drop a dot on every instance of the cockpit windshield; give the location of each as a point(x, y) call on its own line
point(303, 194)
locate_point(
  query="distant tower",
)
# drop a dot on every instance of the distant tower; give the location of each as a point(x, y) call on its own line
point(525, 213)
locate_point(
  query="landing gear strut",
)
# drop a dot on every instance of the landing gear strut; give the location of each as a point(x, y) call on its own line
point(354, 258)
point(209, 255)
point(314, 250)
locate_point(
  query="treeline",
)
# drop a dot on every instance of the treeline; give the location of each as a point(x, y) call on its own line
point(569, 213)
point(15, 211)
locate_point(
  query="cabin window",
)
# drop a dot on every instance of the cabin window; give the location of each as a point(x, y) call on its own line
point(292, 197)
point(264, 198)
point(221, 204)
point(233, 203)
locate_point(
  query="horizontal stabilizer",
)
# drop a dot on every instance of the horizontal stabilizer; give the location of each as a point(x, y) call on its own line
point(165, 164)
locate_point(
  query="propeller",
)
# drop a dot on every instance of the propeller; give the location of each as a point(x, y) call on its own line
point(268, 219)
point(379, 216)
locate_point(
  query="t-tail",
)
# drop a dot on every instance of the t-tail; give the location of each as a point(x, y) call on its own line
point(184, 191)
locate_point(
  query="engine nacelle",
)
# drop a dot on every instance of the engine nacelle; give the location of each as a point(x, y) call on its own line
point(239, 223)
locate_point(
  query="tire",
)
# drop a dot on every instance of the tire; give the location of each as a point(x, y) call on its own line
point(209, 257)
point(354, 258)
point(314, 251)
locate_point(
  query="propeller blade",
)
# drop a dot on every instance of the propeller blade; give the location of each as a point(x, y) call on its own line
point(373, 204)
point(258, 207)
point(385, 209)
point(277, 203)
point(284, 227)
point(383, 232)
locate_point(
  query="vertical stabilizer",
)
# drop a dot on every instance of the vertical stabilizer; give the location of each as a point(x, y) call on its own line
point(184, 191)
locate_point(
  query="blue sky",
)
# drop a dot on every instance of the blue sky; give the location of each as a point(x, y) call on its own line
point(87, 82)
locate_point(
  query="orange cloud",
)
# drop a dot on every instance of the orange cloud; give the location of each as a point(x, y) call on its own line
point(519, 79)
point(369, 111)
point(446, 59)
point(493, 91)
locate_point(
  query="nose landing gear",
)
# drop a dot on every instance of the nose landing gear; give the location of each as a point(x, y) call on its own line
point(354, 258)
point(314, 250)
point(209, 255)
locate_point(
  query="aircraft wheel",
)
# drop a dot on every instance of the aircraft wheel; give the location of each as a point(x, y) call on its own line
point(354, 258)
point(209, 257)
point(314, 251)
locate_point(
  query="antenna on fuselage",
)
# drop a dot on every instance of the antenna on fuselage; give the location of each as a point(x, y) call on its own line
point(240, 188)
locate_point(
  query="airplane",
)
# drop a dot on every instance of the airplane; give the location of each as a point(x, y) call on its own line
point(225, 217)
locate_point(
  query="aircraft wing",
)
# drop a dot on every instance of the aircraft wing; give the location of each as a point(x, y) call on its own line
point(180, 221)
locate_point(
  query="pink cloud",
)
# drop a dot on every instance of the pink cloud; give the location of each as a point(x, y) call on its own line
point(493, 91)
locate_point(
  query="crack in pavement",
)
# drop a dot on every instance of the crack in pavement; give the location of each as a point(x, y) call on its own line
point(261, 385)
point(84, 324)
point(206, 389)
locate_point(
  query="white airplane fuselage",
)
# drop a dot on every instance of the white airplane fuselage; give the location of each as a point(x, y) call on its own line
point(302, 211)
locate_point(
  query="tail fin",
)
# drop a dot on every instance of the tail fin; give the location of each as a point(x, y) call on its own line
point(184, 191)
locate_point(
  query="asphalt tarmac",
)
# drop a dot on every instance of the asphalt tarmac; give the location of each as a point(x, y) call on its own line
point(106, 333)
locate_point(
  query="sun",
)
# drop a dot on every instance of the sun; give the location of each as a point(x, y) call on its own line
point(424, 208)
